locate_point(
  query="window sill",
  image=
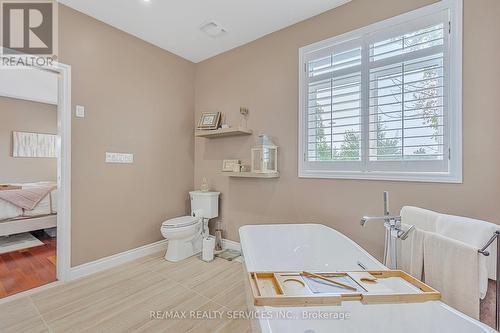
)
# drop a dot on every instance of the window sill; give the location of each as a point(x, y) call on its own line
point(385, 176)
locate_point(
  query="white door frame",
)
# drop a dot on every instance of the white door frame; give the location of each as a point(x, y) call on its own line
point(64, 115)
point(63, 265)
point(63, 171)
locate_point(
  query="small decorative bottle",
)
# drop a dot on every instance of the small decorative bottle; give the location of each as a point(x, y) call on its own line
point(218, 236)
point(204, 185)
point(244, 117)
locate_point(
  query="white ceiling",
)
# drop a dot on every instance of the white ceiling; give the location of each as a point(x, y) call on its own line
point(29, 84)
point(174, 25)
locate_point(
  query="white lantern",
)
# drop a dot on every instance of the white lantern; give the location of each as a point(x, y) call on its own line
point(265, 156)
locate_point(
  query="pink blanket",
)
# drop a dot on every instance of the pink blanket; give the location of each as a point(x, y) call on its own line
point(28, 197)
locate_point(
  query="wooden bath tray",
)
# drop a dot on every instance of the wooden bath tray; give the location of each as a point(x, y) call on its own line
point(369, 287)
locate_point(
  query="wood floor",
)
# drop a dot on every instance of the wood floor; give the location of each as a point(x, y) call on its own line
point(487, 310)
point(122, 300)
point(29, 268)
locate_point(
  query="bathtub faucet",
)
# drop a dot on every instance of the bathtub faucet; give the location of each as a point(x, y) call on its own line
point(391, 222)
point(396, 220)
point(393, 231)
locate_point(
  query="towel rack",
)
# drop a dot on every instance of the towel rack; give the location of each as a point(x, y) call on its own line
point(394, 223)
point(496, 236)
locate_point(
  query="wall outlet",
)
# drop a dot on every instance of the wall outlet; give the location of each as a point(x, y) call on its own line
point(80, 111)
point(119, 158)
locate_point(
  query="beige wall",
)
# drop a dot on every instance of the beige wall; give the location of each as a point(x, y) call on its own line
point(263, 76)
point(25, 116)
point(138, 99)
point(144, 100)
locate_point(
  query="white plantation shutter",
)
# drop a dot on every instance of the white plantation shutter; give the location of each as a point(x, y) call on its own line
point(407, 96)
point(334, 104)
point(379, 102)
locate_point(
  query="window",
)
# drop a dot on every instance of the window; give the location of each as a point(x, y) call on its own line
point(384, 102)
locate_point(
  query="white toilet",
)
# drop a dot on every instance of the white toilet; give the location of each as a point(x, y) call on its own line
point(185, 234)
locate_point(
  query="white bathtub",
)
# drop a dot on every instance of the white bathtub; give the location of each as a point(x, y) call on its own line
point(315, 247)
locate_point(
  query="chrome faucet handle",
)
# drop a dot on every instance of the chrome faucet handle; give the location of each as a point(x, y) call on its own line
point(404, 234)
point(385, 218)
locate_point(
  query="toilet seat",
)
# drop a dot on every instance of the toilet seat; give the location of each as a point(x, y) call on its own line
point(180, 222)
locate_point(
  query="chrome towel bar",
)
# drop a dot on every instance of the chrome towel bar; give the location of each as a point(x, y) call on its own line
point(486, 253)
point(492, 239)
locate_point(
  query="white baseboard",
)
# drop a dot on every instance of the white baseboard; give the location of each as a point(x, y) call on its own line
point(231, 245)
point(124, 257)
point(116, 259)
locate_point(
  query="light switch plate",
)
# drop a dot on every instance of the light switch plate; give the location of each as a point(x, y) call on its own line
point(80, 111)
point(121, 158)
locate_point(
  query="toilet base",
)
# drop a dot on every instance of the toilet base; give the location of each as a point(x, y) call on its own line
point(178, 250)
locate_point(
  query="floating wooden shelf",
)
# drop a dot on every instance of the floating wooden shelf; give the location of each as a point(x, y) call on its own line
point(252, 175)
point(232, 131)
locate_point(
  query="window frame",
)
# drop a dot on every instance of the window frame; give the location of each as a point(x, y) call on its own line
point(453, 9)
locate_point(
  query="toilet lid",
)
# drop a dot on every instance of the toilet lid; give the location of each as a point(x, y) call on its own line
point(182, 221)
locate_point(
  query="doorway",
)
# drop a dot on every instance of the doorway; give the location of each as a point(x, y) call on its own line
point(44, 228)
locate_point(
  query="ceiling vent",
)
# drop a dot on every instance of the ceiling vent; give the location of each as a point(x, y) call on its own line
point(213, 29)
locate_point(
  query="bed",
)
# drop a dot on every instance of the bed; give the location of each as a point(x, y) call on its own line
point(15, 220)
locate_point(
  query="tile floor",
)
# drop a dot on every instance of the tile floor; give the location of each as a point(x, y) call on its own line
point(121, 300)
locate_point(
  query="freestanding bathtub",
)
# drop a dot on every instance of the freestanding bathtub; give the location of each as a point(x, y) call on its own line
point(315, 247)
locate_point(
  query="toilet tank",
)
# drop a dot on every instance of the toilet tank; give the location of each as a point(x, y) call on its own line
point(206, 202)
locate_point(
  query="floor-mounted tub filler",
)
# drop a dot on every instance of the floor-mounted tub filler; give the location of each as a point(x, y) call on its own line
point(317, 248)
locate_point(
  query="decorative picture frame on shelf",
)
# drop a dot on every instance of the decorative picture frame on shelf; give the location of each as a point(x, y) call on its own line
point(229, 165)
point(209, 121)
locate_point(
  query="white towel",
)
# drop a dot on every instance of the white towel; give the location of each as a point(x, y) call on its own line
point(422, 219)
point(452, 267)
point(475, 233)
point(411, 253)
point(411, 250)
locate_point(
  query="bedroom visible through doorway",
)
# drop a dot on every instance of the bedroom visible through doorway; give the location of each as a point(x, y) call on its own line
point(29, 191)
